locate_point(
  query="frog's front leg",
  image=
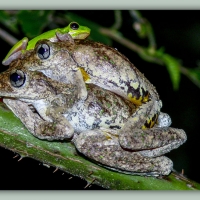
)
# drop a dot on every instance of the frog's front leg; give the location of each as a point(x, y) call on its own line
point(57, 129)
point(24, 113)
point(103, 147)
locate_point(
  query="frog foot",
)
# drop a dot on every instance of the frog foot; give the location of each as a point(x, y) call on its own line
point(104, 148)
point(11, 58)
point(64, 37)
point(15, 51)
point(151, 142)
point(163, 120)
point(53, 131)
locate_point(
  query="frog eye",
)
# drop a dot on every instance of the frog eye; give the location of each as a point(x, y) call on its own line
point(74, 26)
point(43, 51)
point(17, 79)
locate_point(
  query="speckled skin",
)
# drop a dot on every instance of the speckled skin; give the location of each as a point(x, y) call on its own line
point(108, 119)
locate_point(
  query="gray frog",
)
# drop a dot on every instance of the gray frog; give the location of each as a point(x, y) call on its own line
point(82, 61)
point(96, 124)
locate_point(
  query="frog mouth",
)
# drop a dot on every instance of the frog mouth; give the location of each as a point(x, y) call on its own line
point(32, 108)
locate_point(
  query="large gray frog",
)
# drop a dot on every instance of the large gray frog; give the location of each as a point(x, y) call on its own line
point(75, 62)
point(93, 124)
point(80, 62)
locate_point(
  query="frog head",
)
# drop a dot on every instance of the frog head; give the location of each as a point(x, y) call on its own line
point(74, 29)
point(52, 59)
point(19, 83)
point(47, 56)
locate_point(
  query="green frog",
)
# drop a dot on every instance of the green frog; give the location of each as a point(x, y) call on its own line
point(68, 105)
point(73, 29)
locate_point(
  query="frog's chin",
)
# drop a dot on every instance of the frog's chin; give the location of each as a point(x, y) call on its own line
point(81, 35)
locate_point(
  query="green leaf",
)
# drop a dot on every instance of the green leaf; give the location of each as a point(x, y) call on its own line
point(95, 34)
point(173, 67)
point(194, 75)
point(33, 22)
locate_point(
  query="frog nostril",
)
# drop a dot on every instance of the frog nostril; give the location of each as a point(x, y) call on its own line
point(43, 51)
point(17, 79)
point(74, 25)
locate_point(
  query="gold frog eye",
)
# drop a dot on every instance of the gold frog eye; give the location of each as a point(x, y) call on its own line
point(18, 78)
point(74, 25)
point(43, 51)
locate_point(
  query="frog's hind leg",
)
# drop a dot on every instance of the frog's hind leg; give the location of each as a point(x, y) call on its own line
point(104, 148)
point(148, 130)
point(16, 51)
point(151, 142)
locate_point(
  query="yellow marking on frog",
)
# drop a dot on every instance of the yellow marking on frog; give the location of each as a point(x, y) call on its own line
point(86, 77)
point(107, 135)
point(150, 122)
point(151, 125)
point(146, 98)
point(140, 101)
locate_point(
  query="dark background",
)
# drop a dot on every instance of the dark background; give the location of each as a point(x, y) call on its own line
point(179, 33)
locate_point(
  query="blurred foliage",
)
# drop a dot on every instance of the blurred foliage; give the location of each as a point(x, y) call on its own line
point(40, 19)
point(32, 23)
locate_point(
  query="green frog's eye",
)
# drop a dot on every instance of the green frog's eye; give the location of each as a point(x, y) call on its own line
point(43, 51)
point(18, 78)
point(74, 26)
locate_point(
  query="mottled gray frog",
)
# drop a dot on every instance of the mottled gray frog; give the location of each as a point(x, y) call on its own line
point(63, 82)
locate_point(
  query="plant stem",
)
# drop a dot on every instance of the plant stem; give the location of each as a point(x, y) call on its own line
point(63, 155)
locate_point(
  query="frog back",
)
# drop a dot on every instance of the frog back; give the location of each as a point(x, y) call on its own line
point(106, 67)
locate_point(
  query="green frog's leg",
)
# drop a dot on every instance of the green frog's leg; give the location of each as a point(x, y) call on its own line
point(58, 129)
point(103, 147)
point(15, 51)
